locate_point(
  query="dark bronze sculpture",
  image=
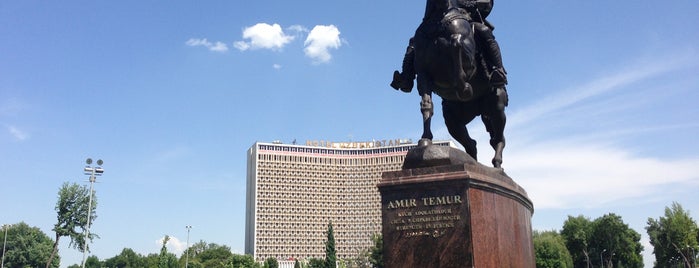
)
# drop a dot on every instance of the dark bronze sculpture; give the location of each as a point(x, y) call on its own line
point(454, 54)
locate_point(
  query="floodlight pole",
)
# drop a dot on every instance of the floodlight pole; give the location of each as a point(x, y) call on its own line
point(3, 245)
point(601, 261)
point(186, 263)
point(93, 172)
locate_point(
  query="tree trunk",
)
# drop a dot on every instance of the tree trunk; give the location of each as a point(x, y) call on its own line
point(53, 253)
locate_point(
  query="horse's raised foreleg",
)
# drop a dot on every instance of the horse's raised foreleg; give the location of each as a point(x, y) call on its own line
point(427, 110)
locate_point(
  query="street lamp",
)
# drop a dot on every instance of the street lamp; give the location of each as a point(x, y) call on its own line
point(601, 262)
point(186, 263)
point(93, 172)
point(694, 256)
point(3, 245)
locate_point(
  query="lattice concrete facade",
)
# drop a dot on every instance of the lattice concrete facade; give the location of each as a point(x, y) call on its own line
point(294, 191)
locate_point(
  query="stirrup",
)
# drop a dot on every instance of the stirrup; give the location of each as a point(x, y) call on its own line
point(498, 78)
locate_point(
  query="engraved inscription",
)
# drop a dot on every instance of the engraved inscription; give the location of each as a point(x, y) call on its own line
point(429, 216)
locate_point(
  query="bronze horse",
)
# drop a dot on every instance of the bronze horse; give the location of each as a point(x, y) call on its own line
point(448, 63)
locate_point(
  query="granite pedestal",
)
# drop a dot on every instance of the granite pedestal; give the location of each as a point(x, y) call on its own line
point(453, 212)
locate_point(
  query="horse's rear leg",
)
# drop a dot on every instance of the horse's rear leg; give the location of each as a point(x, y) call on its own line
point(495, 123)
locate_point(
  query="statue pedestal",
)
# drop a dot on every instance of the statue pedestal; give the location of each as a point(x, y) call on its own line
point(458, 215)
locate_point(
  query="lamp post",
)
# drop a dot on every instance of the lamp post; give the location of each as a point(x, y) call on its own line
point(3, 245)
point(694, 257)
point(186, 263)
point(601, 262)
point(93, 172)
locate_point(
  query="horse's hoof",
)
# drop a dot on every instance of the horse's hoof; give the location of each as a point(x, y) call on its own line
point(497, 163)
point(424, 142)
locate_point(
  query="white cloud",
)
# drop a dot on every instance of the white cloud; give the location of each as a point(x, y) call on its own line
point(263, 35)
point(276, 66)
point(298, 28)
point(217, 47)
point(569, 174)
point(597, 87)
point(320, 40)
point(174, 245)
point(563, 165)
point(19, 134)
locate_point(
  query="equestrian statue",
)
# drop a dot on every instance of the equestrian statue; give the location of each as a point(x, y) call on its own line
point(454, 54)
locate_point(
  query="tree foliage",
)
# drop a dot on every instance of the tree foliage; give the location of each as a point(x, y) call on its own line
point(316, 263)
point(93, 262)
point(622, 244)
point(212, 255)
point(26, 246)
point(330, 251)
point(551, 251)
point(271, 263)
point(674, 237)
point(72, 210)
point(376, 251)
point(126, 259)
point(606, 239)
point(166, 259)
point(577, 232)
point(244, 261)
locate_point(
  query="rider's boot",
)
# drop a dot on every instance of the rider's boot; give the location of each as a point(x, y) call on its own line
point(404, 80)
point(491, 51)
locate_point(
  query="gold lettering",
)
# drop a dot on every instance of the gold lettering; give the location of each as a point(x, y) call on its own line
point(403, 203)
point(442, 200)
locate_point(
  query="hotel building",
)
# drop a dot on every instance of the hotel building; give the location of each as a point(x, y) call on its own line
point(294, 191)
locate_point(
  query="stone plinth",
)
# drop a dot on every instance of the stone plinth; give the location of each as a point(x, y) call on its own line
point(463, 215)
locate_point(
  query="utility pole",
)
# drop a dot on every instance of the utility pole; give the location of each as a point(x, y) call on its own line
point(93, 172)
point(186, 263)
point(3, 245)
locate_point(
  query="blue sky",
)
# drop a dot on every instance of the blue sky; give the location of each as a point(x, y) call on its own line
point(602, 115)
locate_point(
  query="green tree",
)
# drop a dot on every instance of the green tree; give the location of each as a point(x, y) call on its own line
point(616, 243)
point(271, 263)
point(551, 251)
point(297, 264)
point(607, 238)
point(72, 211)
point(316, 263)
point(674, 237)
point(244, 261)
point(330, 252)
point(26, 246)
point(206, 255)
point(166, 259)
point(577, 232)
point(376, 251)
point(93, 262)
point(126, 259)
point(215, 256)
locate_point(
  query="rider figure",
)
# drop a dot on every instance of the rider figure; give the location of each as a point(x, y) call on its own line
point(483, 34)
